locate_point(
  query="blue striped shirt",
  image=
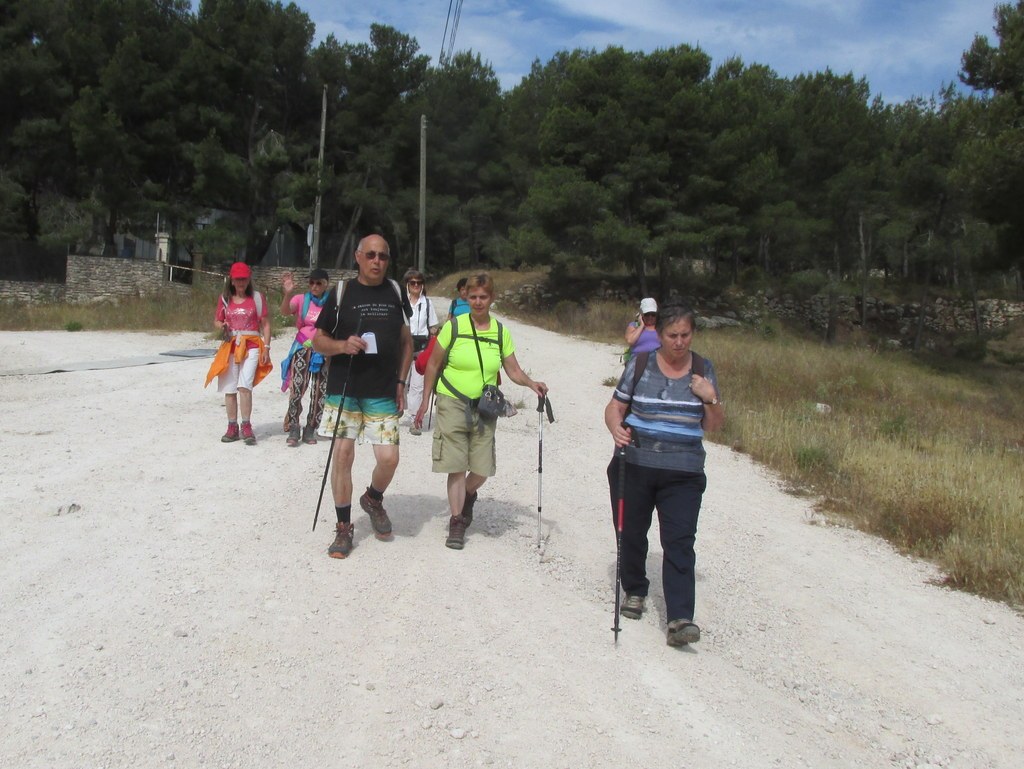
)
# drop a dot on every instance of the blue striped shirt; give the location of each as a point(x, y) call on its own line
point(665, 417)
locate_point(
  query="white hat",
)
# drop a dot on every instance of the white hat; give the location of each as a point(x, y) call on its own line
point(648, 305)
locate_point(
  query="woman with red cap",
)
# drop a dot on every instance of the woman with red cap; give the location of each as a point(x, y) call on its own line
point(244, 357)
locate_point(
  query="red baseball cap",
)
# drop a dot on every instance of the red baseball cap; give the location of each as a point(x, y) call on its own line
point(240, 270)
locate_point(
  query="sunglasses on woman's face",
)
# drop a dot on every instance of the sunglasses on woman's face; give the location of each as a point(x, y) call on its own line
point(415, 282)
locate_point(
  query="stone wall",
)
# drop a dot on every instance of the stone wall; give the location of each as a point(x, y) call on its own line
point(31, 291)
point(943, 316)
point(104, 278)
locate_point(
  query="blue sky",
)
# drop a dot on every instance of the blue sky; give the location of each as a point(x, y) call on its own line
point(904, 48)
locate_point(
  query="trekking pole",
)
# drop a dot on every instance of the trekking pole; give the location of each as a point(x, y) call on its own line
point(334, 434)
point(542, 403)
point(619, 518)
point(430, 409)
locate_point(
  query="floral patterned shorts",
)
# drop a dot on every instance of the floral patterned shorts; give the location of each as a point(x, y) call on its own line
point(368, 420)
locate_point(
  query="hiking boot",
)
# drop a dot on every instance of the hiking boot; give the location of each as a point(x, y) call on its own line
point(342, 544)
point(633, 607)
point(232, 434)
point(467, 508)
point(247, 434)
point(293, 437)
point(378, 517)
point(682, 632)
point(456, 532)
point(309, 435)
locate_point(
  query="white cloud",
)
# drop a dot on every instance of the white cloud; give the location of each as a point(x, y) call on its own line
point(903, 47)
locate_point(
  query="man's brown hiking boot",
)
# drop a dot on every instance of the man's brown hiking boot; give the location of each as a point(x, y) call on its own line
point(342, 544)
point(378, 517)
point(456, 533)
point(467, 508)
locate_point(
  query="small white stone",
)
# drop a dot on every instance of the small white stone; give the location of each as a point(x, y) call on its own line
point(457, 733)
point(437, 704)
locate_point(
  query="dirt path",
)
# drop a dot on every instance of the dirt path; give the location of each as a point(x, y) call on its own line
point(163, 601)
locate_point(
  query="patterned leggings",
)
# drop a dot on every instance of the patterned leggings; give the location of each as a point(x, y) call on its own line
point(301, 379)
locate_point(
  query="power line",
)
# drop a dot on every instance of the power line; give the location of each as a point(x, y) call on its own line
point(448, 43)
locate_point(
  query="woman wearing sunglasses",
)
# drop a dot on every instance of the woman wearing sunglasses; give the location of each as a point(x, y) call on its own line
point(304, 367)
point(423, 324)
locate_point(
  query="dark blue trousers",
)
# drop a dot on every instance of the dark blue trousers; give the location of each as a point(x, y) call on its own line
point(676, 496)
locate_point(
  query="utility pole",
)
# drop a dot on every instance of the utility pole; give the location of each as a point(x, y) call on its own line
point(314, 253)
point(422, 261)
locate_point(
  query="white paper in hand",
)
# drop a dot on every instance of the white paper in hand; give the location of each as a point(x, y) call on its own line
point(371, 343)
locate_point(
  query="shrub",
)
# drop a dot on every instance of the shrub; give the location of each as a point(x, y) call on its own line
point(806, 283)
point(971, 348)
point(73, 325)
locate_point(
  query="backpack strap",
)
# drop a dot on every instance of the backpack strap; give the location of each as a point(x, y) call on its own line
point(696, 367)
point(403, 302)
point(339, 292)
point(307, 297)
point(641, 366)
point(257, 297)
point(696, 364)
point(454, 321)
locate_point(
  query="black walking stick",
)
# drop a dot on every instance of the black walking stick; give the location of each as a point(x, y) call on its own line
point(542, 403)
point(619, 518)
point(334, 434)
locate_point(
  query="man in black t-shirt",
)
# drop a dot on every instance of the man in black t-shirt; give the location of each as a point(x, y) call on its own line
point(366, 334)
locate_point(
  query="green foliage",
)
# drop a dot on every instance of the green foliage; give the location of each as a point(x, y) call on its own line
point(805, 283)
point(970, 348)
point(894, 428)
point(812, 459)
point(652, 164)
point(73, 325)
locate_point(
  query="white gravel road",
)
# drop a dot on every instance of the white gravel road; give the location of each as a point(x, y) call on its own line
point(163, 601)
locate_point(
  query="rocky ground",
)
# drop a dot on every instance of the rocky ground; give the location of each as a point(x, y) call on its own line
point(163, 601)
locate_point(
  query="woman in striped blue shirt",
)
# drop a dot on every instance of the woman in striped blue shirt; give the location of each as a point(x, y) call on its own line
point(657, 418)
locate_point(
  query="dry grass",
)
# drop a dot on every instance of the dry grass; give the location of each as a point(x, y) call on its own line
point(931, 459)
point(192, 311)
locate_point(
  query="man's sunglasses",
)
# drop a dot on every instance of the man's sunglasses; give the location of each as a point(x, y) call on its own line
point(382, 255)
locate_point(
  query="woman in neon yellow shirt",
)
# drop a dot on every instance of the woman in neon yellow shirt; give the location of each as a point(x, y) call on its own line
point(463, 441)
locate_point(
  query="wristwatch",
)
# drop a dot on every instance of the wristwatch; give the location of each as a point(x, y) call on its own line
point(713, 402)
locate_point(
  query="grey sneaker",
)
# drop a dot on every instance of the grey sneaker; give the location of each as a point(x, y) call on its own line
point(682, 632)
point(293, 437)
point(633, 607)
point(414, 430)
point(456, 533)
point(378, 517)
point(308, 435)
point(342, 544)
point(467, 508)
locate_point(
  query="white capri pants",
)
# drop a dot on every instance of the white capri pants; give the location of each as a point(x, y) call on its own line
point(239, 377)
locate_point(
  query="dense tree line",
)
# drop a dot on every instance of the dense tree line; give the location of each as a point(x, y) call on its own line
point(116, 111)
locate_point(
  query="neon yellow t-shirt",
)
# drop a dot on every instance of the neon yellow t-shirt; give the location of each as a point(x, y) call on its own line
point(463, 369)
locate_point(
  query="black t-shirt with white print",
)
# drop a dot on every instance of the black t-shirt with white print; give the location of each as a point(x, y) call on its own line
point(375, 309)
